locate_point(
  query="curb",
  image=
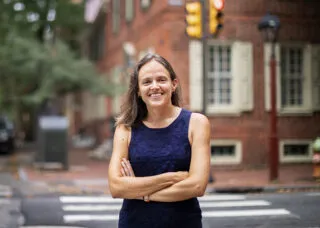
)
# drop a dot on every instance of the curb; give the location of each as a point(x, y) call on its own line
point(287, 189)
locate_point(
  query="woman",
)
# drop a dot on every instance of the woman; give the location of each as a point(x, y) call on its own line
point(161, 156)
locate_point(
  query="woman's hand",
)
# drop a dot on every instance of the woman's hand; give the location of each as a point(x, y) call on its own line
point(126, 169)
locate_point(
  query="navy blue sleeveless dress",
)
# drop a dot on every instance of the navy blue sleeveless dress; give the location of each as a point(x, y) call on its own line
point(154, 151)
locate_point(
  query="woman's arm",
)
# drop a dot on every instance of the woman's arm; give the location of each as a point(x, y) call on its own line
point(195, 184)
point(130, 187)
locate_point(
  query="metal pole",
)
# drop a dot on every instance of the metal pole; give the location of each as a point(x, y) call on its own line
point(204, 65)
point(273, 150)
point(204, 55)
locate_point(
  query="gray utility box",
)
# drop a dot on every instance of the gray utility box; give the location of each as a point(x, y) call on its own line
point(53, 142)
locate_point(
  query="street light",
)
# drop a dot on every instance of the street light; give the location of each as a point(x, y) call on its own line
point(269, 26)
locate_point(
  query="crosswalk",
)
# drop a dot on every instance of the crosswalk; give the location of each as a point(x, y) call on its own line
point(104, 208)
point(5, 191)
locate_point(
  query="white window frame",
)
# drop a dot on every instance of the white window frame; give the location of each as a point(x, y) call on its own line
point(287, 76)
point(241, 74)
point(295, 159)
point(224, 108)
point(227, 160)
point(306, 107)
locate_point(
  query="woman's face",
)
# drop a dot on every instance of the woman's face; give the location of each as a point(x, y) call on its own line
point(155, 84)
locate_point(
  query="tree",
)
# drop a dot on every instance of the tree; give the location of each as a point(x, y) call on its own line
point(36, 62)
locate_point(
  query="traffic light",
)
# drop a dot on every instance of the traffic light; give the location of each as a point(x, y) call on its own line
point(215, 16)
point(193, 19)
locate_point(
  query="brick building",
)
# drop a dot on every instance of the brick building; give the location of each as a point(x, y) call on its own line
point(238, 71)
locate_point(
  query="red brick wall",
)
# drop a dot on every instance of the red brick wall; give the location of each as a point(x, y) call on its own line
point(162, 27)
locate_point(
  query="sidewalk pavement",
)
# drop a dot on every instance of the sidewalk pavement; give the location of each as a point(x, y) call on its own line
point(89, 176)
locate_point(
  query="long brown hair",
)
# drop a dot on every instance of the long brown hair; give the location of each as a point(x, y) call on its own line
point(134, 110)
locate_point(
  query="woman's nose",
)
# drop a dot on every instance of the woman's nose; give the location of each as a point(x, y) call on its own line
point(154, 84)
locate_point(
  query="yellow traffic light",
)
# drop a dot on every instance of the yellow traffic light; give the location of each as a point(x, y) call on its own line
point(215, 16)
point(193, 19)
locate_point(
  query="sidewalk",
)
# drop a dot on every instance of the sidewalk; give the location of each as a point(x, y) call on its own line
point(89, 176)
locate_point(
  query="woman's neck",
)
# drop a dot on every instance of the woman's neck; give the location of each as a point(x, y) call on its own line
point(157, 115)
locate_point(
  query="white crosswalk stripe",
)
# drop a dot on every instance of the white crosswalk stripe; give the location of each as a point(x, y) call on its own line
point(5, 191)
point(104, 208)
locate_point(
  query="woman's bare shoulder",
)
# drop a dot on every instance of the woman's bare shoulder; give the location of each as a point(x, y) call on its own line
point(199, 119)
point(122, 131)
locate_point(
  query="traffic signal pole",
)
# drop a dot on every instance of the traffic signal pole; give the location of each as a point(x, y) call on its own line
point(204, 4)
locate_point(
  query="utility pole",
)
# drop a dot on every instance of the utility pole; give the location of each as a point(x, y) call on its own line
point(198, 28)
point(204, 56)
point(204, 4)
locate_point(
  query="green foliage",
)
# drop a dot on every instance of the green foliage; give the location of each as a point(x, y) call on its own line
point(38, 71)
point(36, 60)
point(30, 16)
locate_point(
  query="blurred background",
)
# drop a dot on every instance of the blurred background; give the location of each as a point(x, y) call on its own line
point(251, 66)
point(73, 59)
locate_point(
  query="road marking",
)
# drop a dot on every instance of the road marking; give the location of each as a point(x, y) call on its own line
point(205, 214)
point(248, 203)
point(102, 199)
point(5, 191)
point(77, 218)
point(313, 194)
point(51, 227)
point(221, 197)
point(86, 208)
point(81, 199)
point(239, 213)
point(4, 201)
point(92, 207)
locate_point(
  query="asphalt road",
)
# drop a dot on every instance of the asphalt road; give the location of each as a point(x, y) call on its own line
point(291, 210)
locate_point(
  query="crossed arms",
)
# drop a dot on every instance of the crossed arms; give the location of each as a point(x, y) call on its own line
point(166, 187)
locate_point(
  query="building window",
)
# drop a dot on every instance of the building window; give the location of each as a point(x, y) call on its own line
point(116, 16)
point(223, 150)
point(219, 75)
point(97, 42)
point(226, 152)
point(298, 77)
point(295, 150)
point(129, 10)
point(229, 88)
point(291, 76)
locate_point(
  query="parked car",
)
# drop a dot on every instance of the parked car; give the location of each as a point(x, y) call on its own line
point(6, 135)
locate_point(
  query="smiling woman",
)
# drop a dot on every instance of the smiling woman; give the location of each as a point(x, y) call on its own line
point(161, 152)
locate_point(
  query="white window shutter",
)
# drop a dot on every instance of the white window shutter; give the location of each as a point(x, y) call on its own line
point(195, 75)
point(267, 85)
point(242, 73)
point(307, 78)
point(315, 72)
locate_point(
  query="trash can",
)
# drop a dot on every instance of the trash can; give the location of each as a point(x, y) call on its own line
point(53, 142)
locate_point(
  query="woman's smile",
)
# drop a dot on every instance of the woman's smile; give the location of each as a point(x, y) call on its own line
point(155, 84)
